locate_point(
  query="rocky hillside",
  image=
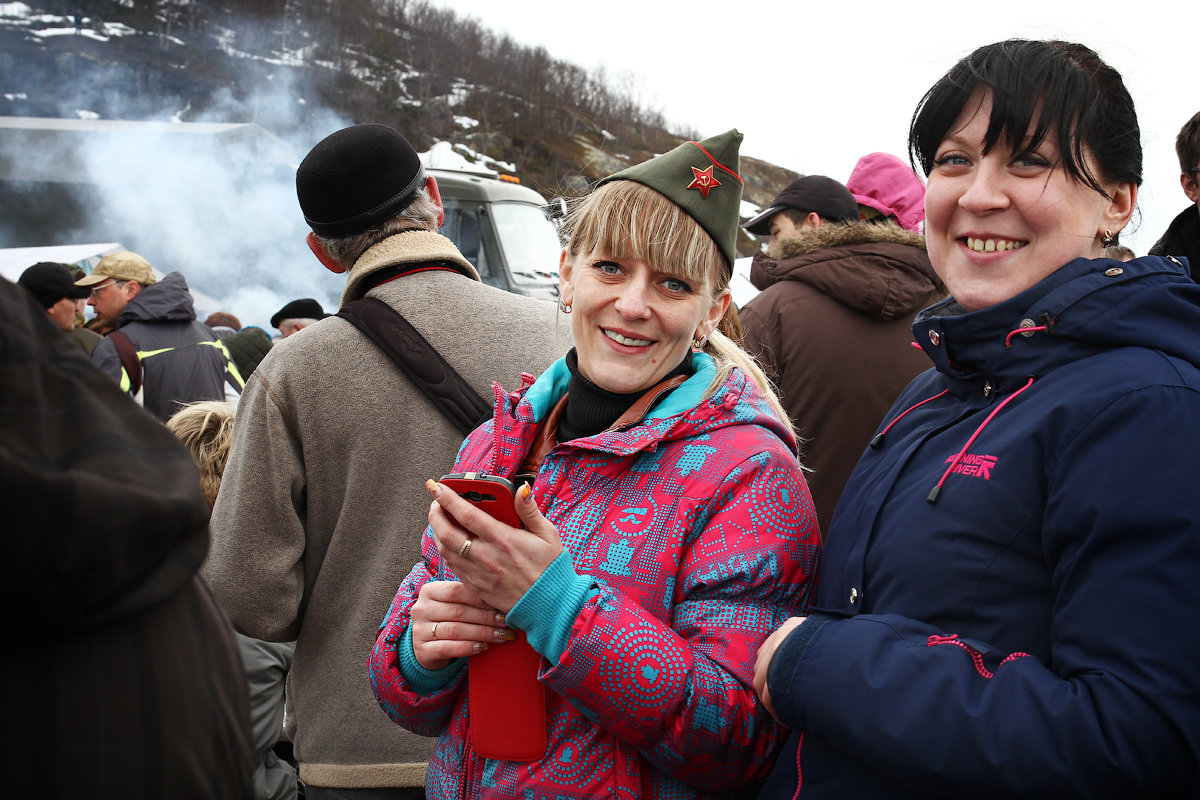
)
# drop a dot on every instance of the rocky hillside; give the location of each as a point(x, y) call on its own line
point(300, 68)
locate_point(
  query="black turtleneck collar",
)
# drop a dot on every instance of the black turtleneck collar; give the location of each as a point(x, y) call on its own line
point(591, 409)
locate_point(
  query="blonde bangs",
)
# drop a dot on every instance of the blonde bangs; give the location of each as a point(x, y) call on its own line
point(628, 220)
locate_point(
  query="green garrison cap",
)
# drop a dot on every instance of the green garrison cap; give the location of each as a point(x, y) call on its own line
point(702, 179)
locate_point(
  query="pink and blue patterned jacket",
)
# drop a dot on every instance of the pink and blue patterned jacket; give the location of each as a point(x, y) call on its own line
point(689, 538)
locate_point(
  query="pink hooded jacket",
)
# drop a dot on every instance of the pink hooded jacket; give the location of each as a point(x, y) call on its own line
point(888, 185)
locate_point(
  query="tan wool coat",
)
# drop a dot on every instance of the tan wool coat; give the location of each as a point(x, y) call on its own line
point(323, 505)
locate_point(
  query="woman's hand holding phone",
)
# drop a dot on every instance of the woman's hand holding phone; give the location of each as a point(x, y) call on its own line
point(478, 522)
point(501, 561)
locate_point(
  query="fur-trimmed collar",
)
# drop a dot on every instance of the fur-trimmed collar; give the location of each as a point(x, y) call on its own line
point(407, 247)
point(879, 270)
point(840, 234)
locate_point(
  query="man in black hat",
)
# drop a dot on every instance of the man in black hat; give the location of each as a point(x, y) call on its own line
point(806, 203)
point(54, 287)
point(297, 315)
point(832, 324)
point(322, 503)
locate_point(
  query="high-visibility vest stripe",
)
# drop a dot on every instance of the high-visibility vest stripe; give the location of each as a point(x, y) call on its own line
point(230, 367)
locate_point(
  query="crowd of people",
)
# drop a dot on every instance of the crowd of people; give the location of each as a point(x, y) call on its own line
point(914, 521)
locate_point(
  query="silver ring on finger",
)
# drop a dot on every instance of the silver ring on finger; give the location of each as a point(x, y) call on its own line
point(433, 630)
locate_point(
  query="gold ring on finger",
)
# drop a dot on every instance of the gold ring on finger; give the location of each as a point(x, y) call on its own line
point(465, 550)
point(433, 630)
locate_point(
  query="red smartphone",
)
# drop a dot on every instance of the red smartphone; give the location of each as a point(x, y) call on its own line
point(491, 493)
point(507, 702)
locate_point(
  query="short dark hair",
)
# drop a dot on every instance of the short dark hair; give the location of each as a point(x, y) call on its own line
point(795, 215)
point(1067, 87)
point(798, 217)
point(1187, 144)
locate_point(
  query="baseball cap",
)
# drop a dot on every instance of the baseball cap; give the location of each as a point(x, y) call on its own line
point(121, 266)
point(818, 193)
point(50, 282)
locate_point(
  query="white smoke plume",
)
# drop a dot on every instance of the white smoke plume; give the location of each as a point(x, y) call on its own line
point(213, 201)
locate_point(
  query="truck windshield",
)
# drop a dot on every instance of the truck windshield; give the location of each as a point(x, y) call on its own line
point(529, 240)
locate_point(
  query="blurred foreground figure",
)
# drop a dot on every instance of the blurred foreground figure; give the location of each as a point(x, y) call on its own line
point(120, 673)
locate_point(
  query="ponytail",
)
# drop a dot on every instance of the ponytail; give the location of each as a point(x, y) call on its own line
point(728, 355)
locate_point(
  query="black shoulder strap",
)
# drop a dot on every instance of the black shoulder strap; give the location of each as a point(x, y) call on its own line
point(420, 361)
point(129, 360)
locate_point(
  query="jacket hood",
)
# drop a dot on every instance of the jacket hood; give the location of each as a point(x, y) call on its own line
point(408, 247)
point(682, 414)
point(166, 301)
point(888, 185)
point(1087, 306)
point(876, 269)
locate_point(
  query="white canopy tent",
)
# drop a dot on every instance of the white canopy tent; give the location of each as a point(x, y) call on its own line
point(15, 260)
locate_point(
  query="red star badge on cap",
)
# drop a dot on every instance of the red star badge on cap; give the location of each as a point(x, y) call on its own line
point(704, 180)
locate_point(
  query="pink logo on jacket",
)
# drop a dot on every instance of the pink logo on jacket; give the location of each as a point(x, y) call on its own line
point(974, 466)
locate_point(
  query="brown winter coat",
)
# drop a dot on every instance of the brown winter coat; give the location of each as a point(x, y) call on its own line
point(832, 327)
point(323, 505)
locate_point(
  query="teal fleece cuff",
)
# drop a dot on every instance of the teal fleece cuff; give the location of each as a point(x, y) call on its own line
point(424, 681)
point(548, 609)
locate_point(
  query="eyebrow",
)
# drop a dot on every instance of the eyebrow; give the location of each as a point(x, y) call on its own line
point(955, 138)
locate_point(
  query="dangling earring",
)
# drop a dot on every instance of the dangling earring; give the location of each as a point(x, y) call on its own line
point(566, 308)
point(698, 342)
point(1107, 239)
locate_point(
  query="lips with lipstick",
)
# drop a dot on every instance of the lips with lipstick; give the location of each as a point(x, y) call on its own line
point(993, 245)
point(628, 341)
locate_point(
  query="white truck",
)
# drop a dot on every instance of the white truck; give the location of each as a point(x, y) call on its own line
point(507, 231)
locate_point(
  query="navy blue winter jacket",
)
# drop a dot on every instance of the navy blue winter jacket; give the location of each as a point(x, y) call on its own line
point(1010, 590)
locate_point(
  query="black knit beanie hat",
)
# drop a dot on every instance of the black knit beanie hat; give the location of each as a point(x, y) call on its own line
point(304, 308)
point(356, 179)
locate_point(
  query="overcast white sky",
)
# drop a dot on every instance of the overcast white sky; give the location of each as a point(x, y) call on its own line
point(813, 86)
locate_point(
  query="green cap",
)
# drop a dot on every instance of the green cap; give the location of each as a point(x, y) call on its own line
point(702, 179)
